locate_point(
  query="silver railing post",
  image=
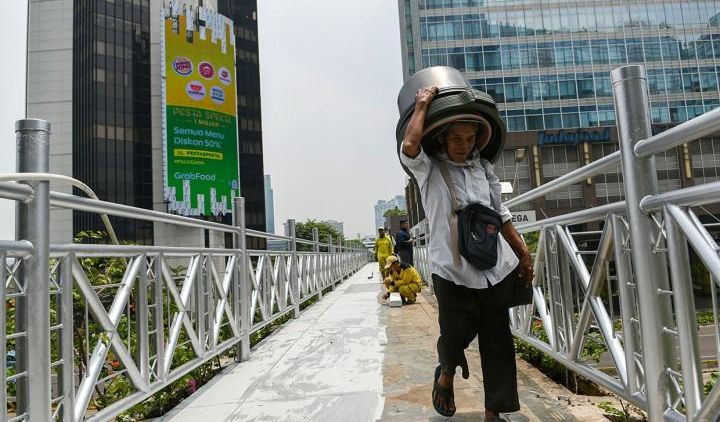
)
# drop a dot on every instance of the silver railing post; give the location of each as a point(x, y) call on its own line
point(341, 259)
point(242, 289)
point(33, 310)
point(66, 380)
point(316, 260)
point(294, 278)
point(632, 111)
point(684, 301)
point(331, 261)
point(627, 302)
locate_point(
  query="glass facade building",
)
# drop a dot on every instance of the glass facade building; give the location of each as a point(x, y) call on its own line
point(252, 177)
point(548, 63)
point(111, 113)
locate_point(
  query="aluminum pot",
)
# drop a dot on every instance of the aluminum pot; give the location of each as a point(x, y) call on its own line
point(455, 100)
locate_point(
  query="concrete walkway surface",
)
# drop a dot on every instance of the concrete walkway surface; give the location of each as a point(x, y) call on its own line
point(324, 366)
point(350, 358)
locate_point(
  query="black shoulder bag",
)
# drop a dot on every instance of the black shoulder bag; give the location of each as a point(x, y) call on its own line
point(474, 228)
point(474, 232)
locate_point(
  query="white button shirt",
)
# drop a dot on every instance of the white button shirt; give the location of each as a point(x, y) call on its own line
point(473, 184)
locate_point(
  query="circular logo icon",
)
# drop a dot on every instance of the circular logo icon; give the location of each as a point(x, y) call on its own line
point(195, 90)
point(224, 76)
point(217, 95)
point(206, 70)
point(182, 65)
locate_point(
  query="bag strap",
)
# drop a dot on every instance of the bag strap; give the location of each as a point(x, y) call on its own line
point(454, 242)
point(451, 187)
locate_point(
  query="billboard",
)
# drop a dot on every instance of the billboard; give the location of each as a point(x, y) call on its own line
point(200, 167)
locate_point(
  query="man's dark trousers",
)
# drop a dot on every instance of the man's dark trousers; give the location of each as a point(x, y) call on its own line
point(465, 313)
point(406, 256)
point(404, 247)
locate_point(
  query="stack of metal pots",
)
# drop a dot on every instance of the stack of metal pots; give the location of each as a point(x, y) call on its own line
point(456, 100)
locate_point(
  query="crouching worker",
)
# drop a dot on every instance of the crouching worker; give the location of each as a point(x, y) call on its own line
point(402, 278)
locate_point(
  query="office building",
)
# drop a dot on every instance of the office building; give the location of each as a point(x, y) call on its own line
point(243, 13)
point(89, 74)
point(382, 206)
point(269, 206)
point(548, 66)
point(94, 73)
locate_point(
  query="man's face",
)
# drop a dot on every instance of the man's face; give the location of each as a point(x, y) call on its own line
point(460, 140)
point(395, 267)
point(381, 233)
point(404, 225)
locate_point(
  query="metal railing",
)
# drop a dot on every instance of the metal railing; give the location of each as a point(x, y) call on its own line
point(618, 276)
point(83, 320)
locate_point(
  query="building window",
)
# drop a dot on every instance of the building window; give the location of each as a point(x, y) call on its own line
point(556, 161)
point(668, 171)
point(513, 166)
point(608, 186)
point(706, 160)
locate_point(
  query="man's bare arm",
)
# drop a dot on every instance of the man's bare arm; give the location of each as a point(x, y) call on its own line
point(512, 237)
point(413, 133)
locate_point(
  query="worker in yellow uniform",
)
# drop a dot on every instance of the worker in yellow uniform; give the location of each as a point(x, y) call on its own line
point(403, 278)
point(383, 248)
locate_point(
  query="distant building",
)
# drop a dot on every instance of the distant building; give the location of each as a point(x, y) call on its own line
point(269, 206)
point(416, 213)
point(383, 206)
point(337, 225)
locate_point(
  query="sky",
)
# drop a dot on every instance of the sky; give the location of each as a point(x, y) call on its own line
point(330, 72)
point(12, 108)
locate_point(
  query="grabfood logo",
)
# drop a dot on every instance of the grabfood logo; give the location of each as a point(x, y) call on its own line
point(206, 70)
point(224, 76)
point(195, 90)
point(217, 94)
point(195, 176)
point(182, 65)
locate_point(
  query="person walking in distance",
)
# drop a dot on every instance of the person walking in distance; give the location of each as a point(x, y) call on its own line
point(472, 302)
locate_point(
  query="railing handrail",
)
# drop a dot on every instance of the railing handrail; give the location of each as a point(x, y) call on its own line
point(576, 217)
point(698, 127)
point(76, 203)
point(21, 192)
point(694, 195)
point(601, 165)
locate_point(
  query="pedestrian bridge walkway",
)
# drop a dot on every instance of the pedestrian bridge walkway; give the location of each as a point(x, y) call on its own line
point(350, 358)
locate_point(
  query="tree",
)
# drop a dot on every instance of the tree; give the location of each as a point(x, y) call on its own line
point(394, 212)
point(305, 231)
point(355, 243)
